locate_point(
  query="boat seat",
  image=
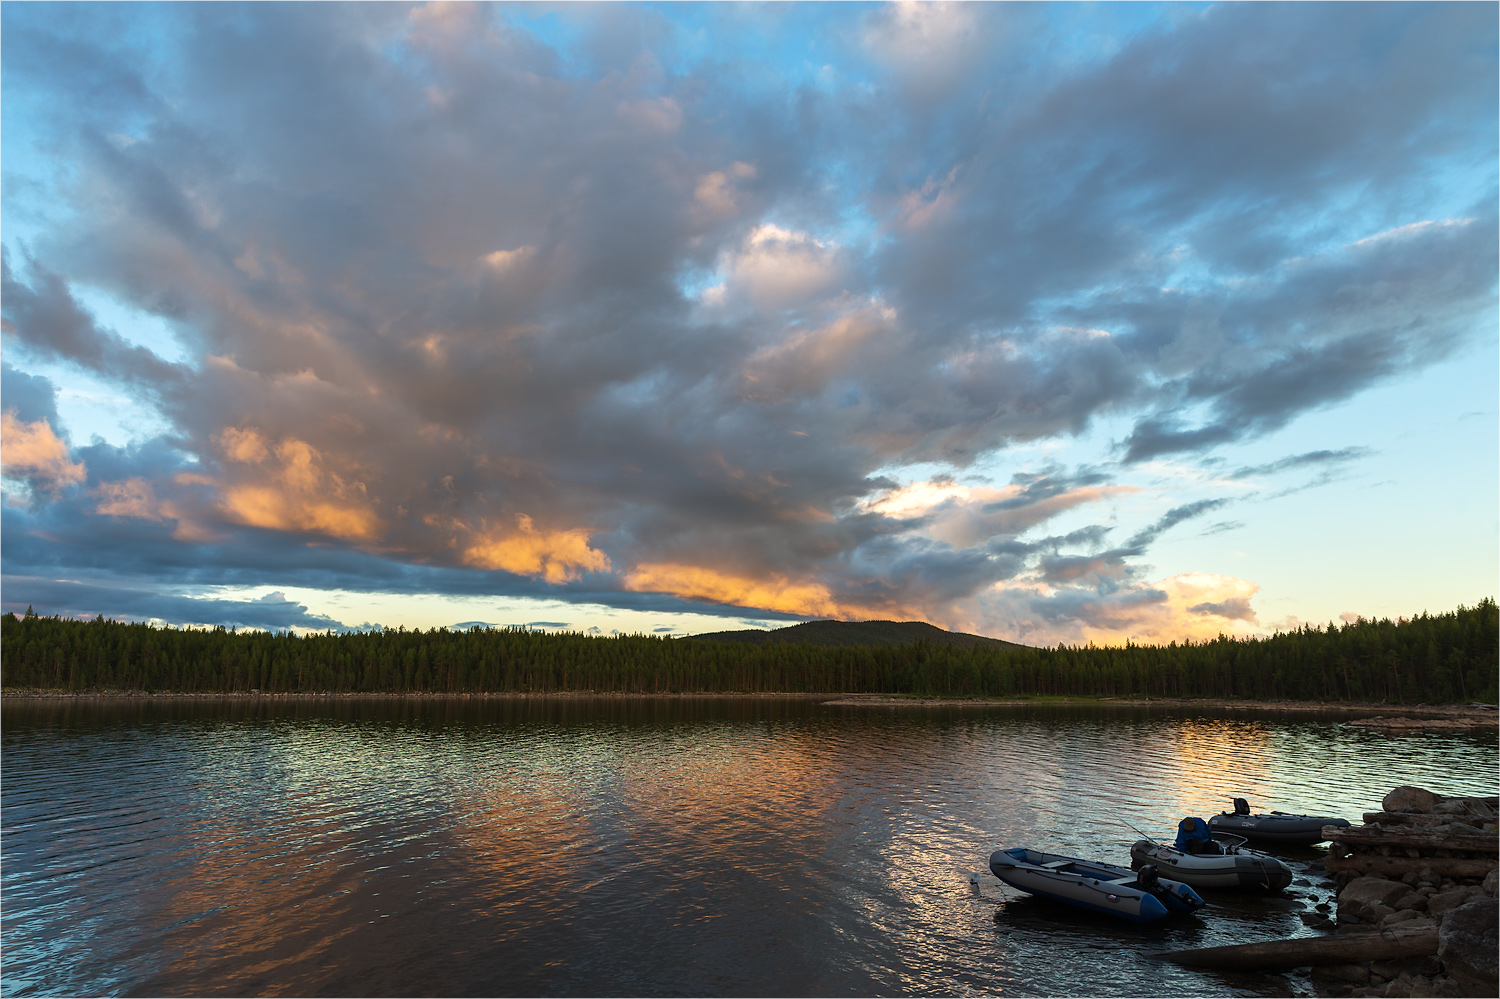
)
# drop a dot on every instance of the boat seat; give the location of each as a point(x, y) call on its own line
point(1120, 881)
point(1056, 863)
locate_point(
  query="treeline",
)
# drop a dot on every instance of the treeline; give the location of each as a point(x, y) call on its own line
point(1443, 658)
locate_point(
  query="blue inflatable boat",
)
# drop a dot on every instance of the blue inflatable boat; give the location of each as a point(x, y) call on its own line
point(1139, 896)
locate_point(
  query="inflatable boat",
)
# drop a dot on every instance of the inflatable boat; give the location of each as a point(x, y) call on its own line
point(1202, 860)
point(1276, 827)
point(1139, 896)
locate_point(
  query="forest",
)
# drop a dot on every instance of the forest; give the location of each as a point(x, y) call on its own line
point(1428, 659)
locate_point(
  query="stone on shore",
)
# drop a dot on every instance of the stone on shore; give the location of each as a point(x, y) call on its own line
point(1368, 900)
point(1407, 798)
point(1467, 946)
point(1444, 901)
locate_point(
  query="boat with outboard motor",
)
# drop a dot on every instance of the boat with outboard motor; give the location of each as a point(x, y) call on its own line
point(1139, 896)
point(1203, 860)
point(1276, 827)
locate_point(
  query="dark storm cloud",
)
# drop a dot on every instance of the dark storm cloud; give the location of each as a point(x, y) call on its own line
point(441, 284)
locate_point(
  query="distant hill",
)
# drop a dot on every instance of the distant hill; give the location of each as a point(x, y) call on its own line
point(857, 633)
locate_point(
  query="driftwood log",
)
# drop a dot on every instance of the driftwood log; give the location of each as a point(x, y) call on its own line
point(1395, 867)
point(1416, 819)
point(1474, 842)
point(1344, 948)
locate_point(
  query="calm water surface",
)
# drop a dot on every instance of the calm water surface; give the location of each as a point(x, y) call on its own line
point(597, 847)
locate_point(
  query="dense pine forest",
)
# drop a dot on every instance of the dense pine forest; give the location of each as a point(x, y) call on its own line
point(1443, 658)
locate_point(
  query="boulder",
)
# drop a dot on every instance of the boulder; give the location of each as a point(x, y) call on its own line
point(1491, 882)
point(1452, 899)
point(1412, 900)
point(1369, 899)
point(1399, 916)
point(1409, 799)
point(1467, 946)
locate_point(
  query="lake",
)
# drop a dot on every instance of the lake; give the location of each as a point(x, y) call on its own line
point(581, 846)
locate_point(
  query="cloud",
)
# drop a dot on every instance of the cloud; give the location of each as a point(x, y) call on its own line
point(556, 556)
point(33, 452)
point(70, 598)
point(1317, 460)
point(776, 268)
point(775, 592)
point(464, 309)
point(290, 488)
point(1172, 518)
point(31, 398)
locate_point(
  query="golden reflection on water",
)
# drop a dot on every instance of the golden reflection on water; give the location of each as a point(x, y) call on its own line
point(1206, 750)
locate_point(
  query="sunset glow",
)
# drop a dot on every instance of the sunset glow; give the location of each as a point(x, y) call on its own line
point(1050, 323)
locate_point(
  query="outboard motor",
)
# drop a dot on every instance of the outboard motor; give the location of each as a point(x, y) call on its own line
point(1241, 806)
point(1146, 877)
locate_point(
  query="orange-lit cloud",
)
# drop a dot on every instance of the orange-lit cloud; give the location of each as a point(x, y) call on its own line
point(1199, 605)
point(32, 451)
point(131, 498)
point(771, 592)
point(292, 489)
point(556, 556)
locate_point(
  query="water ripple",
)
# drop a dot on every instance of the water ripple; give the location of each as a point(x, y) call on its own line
point(700, 847)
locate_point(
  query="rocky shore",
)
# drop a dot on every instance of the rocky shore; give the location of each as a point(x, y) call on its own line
point(1424, 865)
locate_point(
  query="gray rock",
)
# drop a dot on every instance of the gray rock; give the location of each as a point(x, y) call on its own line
point(1417, 988)
point(1409, 799)
point(1467, 946)
point(1412, 900)
point(1491, 882)
point(1445, 900)
point(1446, 987)
point(1369, 899)
point(1399, 916)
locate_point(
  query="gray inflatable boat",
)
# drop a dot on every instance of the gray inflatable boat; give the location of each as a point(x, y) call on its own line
point(1274, 827)
point(1205, 860)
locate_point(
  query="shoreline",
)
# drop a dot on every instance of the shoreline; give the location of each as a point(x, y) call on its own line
point(1401, 715)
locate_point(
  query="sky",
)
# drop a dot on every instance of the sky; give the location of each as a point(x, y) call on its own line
point(1076, 323)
